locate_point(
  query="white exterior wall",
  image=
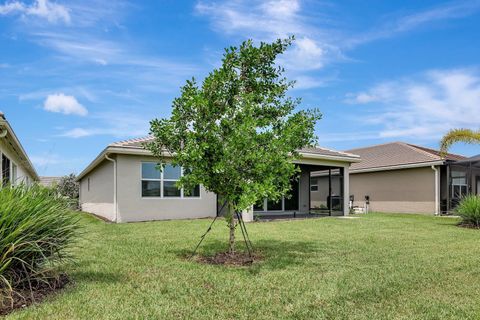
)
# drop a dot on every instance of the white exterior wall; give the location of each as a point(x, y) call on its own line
point(96, 191)
point(22, 174)
point(133, 207)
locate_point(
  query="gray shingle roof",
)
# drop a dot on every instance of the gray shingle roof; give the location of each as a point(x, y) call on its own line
point(137, 143)
point(397, 154)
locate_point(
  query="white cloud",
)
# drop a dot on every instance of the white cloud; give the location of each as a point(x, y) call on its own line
point(115, 124)
point(319, 39)
point(62, 103)
point(267, 21)
point(381, 92)
point(52, 12)
point(413, 21)
point(45, 160)
point(78, 133)
point(424, 106)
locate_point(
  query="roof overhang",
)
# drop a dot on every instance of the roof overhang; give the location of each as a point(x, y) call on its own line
point(18, 148)
point(305, 157)
point(399, 167)
point(349, 159)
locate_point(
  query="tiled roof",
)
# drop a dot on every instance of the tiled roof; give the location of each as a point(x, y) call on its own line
point(397, 154)
point(132, 143)
point(138, 142)
point(49, 181)
point(328, 152)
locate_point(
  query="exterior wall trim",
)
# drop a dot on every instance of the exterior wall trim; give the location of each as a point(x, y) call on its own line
point(9, 134)
point(304, 159)
point(403, 166)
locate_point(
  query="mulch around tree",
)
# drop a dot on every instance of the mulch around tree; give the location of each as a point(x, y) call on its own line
point(225, 258)
point(24, 297)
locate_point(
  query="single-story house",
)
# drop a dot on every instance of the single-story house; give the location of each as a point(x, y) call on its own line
point(402, 177)
point(16, 167)
point(122, 184)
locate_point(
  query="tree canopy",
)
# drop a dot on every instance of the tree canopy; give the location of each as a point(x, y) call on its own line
point(238, 133)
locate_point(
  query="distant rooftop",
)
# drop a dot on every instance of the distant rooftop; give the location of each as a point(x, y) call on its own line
point(49, 181)
point(397, 154)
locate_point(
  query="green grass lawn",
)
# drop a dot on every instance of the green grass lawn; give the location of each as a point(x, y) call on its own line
point(374, 267)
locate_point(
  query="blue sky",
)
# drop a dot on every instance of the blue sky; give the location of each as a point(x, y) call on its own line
point(78, 75)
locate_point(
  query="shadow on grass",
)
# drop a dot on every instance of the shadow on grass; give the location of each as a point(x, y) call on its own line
point(96, 276)
point(274, 254)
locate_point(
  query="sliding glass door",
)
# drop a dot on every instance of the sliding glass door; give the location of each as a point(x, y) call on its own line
point(285, 204)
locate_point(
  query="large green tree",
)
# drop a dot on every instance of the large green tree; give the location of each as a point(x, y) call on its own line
point(237, 134)
point(459, 135)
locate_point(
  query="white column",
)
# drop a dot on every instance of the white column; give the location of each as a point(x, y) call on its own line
point(346, 190)
point(247, 214)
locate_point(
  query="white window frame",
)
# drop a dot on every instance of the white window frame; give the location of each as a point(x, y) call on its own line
point(161, 180)
point(313, 185)
point(460, 185)
point(265, 204)
point(13, 173)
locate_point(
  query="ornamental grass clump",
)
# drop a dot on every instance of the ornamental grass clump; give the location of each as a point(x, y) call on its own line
point(37, 228)
point(469, 210)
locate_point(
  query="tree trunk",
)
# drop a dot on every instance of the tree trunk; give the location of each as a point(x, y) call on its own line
point(231, 225)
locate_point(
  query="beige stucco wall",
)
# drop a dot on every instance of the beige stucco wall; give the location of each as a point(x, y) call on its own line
point(132, 207)
point(405, 190)
point(319, 198)
point(22, 173)
point(304, 189)
point(99, 199)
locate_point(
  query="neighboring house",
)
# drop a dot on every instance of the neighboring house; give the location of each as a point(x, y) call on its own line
point(15, 165)
point(122, 184)
point(402, 177)
point(49, 181)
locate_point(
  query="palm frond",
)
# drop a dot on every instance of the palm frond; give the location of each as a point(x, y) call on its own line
point(458, 135)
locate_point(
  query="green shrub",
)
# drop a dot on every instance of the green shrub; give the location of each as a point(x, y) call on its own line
point(69, 188)
point(36, 230)
point(469, 210)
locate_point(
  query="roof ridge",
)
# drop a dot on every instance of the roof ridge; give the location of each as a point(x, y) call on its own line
point(438, 151)
point(376, 145)
point(421, 150)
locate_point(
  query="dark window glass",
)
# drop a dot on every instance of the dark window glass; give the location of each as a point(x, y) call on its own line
point(193, 193)
point(274, 206)
point(170, 189)
point(5, 170)
point(150, 188)
point(150, 171)
point(292, 203)
point(258, 206)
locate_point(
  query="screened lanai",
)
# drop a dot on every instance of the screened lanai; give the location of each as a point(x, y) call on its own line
point(460, 179)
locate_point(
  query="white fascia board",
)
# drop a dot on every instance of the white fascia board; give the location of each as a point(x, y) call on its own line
point(115, 150)
point(398, 167)
point(307, 155)
point(304, 158)
point(13, 137)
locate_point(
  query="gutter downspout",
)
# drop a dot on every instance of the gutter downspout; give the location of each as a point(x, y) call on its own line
point(115, 205)
point(437, 189)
